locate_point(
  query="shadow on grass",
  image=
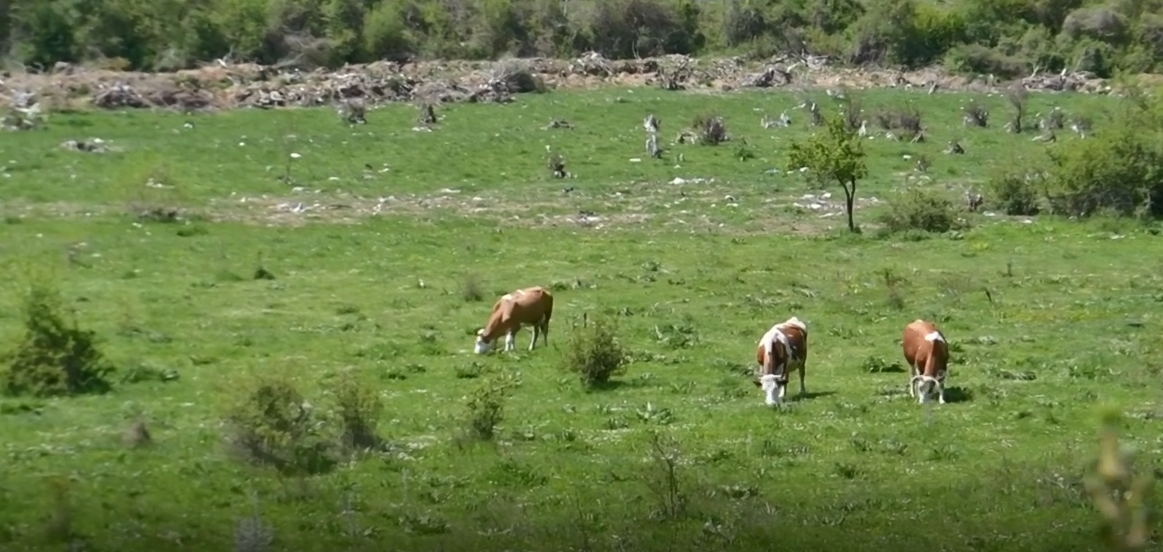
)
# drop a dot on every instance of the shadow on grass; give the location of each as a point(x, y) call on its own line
point(813, 395)
point(614, 385)
point(955, 395)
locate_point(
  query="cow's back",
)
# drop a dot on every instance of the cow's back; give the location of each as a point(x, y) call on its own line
point(797, 337)
point(530, 305)
point(913, 340)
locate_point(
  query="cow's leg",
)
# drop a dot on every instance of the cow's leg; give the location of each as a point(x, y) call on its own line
point(536, 332)
point(509, 339)
point(912, 382)
point(782, 392)
point(941, 391)
point(545, 332)
point(803, 390)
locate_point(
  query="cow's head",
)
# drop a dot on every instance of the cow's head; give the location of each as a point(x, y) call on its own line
point(482, 345)
point(925, 385)
point(770, 385)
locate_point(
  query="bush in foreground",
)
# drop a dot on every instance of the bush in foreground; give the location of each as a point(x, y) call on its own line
point(54, 357)
point(271, 424)
point(485, 409)
point(358, 409)
point(594, 353)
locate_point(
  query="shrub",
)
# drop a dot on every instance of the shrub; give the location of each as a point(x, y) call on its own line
point(358, 409)
point(906, 120)
point(272, 425)
point(1014, 194)
point(975, 58)
point(921, 210)
point(1122, 174)
point(1096, 22)
point(54, 358)
point(472, 290)
point(711, 130)
point(594, 354)
point(485, 409)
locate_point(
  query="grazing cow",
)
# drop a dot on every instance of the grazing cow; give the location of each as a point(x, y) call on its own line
point(783, 348)
point(524, 307)
point(927, 354)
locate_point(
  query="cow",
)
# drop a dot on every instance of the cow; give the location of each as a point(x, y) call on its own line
point(783, 348)
point(524, 307)
point(927, 354)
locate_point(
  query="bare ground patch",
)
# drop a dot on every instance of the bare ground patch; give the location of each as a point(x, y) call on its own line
point(694, 205)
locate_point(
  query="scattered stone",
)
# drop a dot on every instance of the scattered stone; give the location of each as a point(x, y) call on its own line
point(558, 123)
point(93, 145)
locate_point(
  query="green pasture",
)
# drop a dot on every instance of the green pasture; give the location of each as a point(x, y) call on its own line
point(375, 239)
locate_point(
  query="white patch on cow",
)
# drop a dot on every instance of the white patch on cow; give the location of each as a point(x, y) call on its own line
point(510, 297)
point(770, 389)
point(773, 335)
point(934, 336)
point(482, 346)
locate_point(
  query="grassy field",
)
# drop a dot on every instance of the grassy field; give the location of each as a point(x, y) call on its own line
point(375, 238)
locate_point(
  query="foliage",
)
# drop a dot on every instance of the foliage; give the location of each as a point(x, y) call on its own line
point(1014, 193)
point(594, 354)
point(358, 409)
point(1119, 174)
point(1006, 38)
point(54, 357)
point(835, 156)
point(1121, 497)
point(272, 424)
point(485, 409)
point(922, 210)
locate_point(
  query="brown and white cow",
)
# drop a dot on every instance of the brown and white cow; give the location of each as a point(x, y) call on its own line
point(927, 353)
point(782, 349)
point(524, 307)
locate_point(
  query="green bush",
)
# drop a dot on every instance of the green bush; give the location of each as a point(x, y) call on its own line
point(54, 358)
point(975, 58)
point(271, 424)
point(485, 409)
point(1120, 174)
point(920, 210)
point(1014, 194)
point(359, 408)
point(594, 354)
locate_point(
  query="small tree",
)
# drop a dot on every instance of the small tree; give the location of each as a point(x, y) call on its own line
point(594, 354)
point(55, 357)
point(836, 155)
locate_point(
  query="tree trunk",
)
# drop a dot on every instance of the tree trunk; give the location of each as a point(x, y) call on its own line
point(849, 202)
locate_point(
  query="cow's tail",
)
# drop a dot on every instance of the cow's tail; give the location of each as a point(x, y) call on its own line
point(548, 310)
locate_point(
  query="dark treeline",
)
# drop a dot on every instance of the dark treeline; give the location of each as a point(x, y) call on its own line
point(1004, 37)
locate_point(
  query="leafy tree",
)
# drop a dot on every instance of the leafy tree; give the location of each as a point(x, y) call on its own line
point(836, 155)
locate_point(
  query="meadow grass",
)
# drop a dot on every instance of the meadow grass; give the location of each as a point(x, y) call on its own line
point(389, 273)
